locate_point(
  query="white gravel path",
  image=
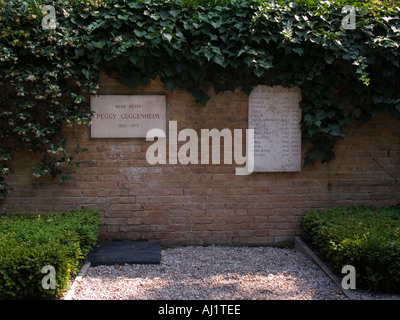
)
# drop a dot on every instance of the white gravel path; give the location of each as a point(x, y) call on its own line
point(214, 273)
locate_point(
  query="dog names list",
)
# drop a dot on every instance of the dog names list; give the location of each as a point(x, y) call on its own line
point(275, 115)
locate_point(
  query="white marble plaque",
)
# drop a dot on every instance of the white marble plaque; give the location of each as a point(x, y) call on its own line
point(275, 115)
point(127, 116)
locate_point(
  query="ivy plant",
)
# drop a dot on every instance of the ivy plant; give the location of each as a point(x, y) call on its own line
point(45, 74)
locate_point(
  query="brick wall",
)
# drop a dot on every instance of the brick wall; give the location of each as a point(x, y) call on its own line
point(208, 204)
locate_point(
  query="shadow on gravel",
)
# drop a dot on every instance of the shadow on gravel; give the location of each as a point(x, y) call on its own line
point(213, 273)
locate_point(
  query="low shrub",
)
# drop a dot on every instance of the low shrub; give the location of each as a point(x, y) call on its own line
point(32, 241)
point(365, 237)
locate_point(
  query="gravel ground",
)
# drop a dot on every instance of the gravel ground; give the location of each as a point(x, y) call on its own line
point(214, 273)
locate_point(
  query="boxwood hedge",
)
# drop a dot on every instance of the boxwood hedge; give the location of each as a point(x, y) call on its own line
point(31, 241)
point(367, 238)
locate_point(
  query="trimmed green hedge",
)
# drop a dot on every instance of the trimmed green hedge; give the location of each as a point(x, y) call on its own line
point(30, 242)
point(365, 237)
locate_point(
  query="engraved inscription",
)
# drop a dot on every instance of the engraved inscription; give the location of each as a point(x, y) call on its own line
point(275, 115)
point(127, 116)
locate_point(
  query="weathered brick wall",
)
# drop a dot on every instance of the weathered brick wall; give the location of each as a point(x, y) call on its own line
point(209, 204)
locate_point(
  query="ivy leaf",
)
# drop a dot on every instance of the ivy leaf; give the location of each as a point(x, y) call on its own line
point(312, 130)
point(200, 96)
point(86, 73)
point(79, 52)
point(65, 178)
point(215, 24)
point(175, 13)
point(96, 25)
point(329, 59)
point(123, 17)
point(167, 36)
point(298, 50)
point(316, 154)
point(99, 44)
point(258, 72)
point(265, 64)
point(164, 15)
point(308, 162)
point(196, 73)
point(168, 71)
point(134, 5)
point(208, 55)
point(133, 59)
point(220, 60)
point(170, 84)
point(139, 33)
point(336, 131)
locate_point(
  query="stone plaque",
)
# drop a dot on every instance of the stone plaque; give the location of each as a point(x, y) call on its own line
point(127, 116)
point(275, 115)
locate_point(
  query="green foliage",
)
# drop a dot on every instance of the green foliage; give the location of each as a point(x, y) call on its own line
point(36, 96)
point(45, 75)
point(30, 242)
point(364, 237)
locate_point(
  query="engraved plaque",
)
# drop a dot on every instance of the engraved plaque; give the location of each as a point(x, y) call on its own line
point(127, 116)
point(275, 115)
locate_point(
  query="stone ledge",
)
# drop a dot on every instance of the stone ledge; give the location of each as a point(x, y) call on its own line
point(304, 249)
point(76, 281)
